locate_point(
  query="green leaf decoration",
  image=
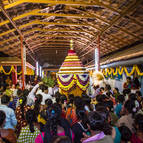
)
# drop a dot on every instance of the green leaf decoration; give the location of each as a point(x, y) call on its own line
point(48, 81)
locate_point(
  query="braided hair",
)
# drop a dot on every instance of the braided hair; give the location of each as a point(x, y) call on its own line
point(38, 100)
point(22, 102)
point(130, 107)
point(54, 119)
point(98, 123)
point(81, 115)
point(31, 119)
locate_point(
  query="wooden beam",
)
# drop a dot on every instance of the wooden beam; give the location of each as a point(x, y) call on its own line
point(62, 35)
point(123, 13)
point(49, 51)
point(47, 23)
point(56, 46)
point(57, 30)
point(65, 2)
point(20, 16)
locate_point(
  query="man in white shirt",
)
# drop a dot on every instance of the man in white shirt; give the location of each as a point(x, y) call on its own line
point(45, 95)
point(42, 91)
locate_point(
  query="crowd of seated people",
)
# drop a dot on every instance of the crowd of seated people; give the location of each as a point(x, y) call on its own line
point(35, 116)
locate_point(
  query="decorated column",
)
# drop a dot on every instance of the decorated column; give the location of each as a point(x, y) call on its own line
point(14, 76)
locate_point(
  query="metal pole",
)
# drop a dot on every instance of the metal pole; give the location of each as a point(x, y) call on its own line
point(22, 64)
point(98, 41)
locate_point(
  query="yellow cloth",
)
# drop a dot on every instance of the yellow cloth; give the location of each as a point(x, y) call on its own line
point(75, 91)
point(41, 120)
point(94, 101)
point(8, 92)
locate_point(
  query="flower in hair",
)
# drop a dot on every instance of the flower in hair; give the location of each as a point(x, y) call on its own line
point(35, 98)
point(20, 101)
point(134, 109)
point(53, 111)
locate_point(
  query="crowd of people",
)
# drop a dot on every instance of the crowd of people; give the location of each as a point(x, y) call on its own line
point(37, 115)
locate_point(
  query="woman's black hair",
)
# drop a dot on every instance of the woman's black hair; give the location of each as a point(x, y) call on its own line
point(101, 88)
point(132, 96)
point(61, 139)
point(78, 102)
point(126, 91)
point(139, 122)
point(42, 87)
point(117, 89)
point(26, 92)
point(121, 99)
point(2, 117)
point(108, 87)
point(101, 98)
point(57, 94)
point(81, 115)
point(58, 99)
point(126, 134)
point(54, 119)
point(84, 95)
point(31, 119)
point(98, 123)
point(108, 94)
point(38, 100)
point(138, 93)
point(86, 102)
point(129, 78)
point(22, 101)
point(5, 99)
point(136, 82)
point(71, 99)
point(130, 106)
point(103, 111)
point(48, 102)
point(19, 92)
point(109, 104)
point(63, 98)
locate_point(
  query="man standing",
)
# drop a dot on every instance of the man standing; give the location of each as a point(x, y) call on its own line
point(10, 115)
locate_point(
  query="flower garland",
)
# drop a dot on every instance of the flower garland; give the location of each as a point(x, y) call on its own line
point(81, 86)
point(66, 86)
point(11, 70)
point(120, 71)
point(66, 78)
point(66, 82)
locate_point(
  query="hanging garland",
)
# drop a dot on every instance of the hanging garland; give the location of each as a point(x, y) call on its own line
point(11, 70)
point(120, 71)
point(67, 82)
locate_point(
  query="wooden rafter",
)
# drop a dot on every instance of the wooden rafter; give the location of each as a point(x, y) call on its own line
point(46, 23)
point(60, 35)
point(69, 2)
point(34, 36)
point(123, 13)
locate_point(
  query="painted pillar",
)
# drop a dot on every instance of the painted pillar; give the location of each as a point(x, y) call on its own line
point(14, 76)
point(22, 63)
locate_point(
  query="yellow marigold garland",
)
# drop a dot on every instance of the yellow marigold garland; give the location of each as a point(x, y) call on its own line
point(72, 83)
point(11, 70)
point(120, 71)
